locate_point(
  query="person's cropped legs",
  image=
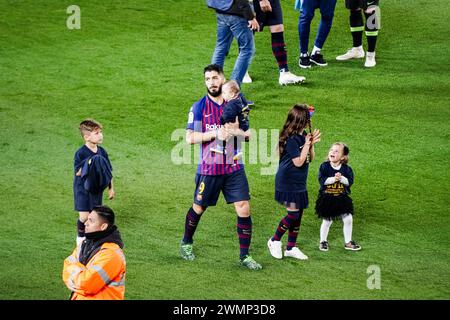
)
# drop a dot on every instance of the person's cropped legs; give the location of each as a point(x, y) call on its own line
point(223, 42)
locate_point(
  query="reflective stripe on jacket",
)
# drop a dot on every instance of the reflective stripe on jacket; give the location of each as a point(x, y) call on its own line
point(103, 277)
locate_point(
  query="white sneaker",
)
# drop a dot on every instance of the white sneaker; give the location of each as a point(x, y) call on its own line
point(295, 253)
point(247, 78)
point(289, 78)
point(275, 248)
point(80, 240)
point(370, 60)
point(355, 52)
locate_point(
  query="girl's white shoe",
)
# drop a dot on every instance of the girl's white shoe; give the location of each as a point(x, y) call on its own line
point(295, 253)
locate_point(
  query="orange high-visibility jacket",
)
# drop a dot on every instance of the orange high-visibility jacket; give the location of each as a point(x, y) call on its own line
point(103, 277)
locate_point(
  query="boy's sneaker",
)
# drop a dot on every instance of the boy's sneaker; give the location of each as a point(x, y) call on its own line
point(353, 53)
point(370, 60)
point(275, 248)
point(317, 59)
point(247, 78)
point(295, 253)
point(352, 245)
point(304, 62)
point(186, 251)
point(287, 77)
point(323, 246)
point(250, 263)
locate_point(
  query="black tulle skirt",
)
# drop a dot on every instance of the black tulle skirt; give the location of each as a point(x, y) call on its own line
point(332, 207)
point(297, 199)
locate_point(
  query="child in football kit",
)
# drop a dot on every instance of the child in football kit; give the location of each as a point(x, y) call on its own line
point(93, 173)
point(334, 202)
point(296, 149)
point(236, 106)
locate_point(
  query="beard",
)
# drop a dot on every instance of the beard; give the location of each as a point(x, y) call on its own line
point(215, 94)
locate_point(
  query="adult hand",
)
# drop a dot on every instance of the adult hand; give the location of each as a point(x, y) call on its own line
point(78, 174)
point(232, 128)
point(253, 24)
point(265, 6)
point(222, 134)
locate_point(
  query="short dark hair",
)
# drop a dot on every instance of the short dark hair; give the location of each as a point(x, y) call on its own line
point(89, 125)
point(106, 213)
point(213, 67)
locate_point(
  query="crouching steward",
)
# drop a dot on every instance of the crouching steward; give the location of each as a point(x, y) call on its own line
point(96, 269)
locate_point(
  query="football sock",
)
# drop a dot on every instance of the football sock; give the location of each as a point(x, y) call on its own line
point(356, 27)
point(371, 31)
point(80, 228)
point(324, 229)
point(348, 227)
point(285, 224)
point(244, 231)
point(293, 233)
point(279, 50)
point(192, 219)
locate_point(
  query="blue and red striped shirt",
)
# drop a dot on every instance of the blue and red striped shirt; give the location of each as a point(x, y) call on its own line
point(204, 116)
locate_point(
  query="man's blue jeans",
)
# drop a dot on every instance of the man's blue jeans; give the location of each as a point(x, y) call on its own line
point(304, 22)
point(229, 27)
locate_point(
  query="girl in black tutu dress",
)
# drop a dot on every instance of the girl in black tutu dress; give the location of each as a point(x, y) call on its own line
point(334, 202)
point(296, 149)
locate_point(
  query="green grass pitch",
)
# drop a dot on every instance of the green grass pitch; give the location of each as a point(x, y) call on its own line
point(136, 66)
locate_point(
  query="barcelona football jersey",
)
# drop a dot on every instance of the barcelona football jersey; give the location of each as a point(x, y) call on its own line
point(204, 116)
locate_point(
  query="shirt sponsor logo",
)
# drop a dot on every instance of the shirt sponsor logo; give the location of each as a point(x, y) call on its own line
point(214, 126)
